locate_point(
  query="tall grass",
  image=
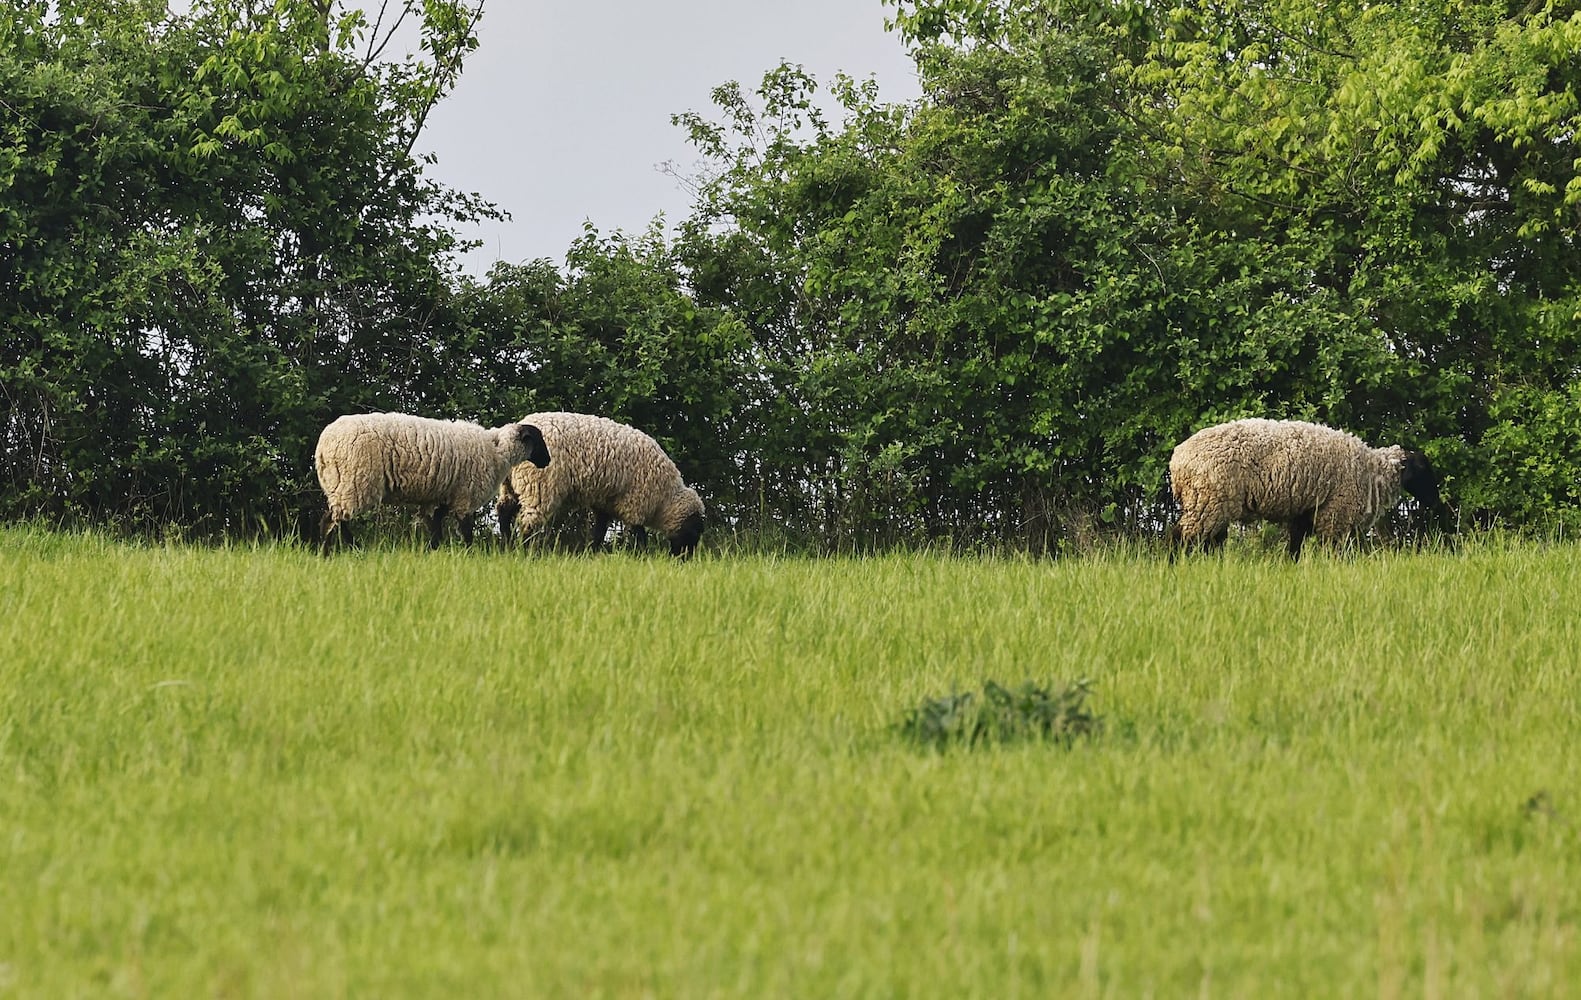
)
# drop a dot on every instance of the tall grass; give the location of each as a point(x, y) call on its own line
point(252, 771)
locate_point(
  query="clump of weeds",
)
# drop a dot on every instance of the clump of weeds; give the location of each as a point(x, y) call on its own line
point(1000, 715)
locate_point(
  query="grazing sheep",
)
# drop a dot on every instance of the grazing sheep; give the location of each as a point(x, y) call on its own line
point(448, 466)
point(1313, 478)
point(616, 470)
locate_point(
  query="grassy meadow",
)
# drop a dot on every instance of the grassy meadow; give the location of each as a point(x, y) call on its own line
point(255, 772)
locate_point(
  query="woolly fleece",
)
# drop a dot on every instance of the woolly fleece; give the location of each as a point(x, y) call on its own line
point(610, 468)
point(1282, 471)
point(364, 460)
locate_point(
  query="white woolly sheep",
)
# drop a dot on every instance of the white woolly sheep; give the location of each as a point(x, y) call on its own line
point(446, 466)
point(1313, 478)
point(611, 468)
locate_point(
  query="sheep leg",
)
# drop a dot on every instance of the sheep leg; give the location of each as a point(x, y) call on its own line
point(326, 524)
point(1174, 540)
point(639, 537)
point(436, 526)
point(600, 528)
point(1300, 528)
point(464, 522)
point(506, 510)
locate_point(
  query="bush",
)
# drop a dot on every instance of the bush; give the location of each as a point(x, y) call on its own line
point(1003, 715)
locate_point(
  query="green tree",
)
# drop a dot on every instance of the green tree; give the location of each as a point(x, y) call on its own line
point(1428, 151)
point(217, 237)
point(991, 313)
point(981, 316)
point(615, 334)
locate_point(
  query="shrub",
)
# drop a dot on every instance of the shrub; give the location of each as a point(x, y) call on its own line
point(1003, 715)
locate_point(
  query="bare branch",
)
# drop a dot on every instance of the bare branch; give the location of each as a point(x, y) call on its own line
point(377, 45)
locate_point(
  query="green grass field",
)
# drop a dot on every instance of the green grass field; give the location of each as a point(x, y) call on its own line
point(255, 772)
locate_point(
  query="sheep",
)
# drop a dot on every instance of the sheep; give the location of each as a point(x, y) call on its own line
point(447, 466)
point(1313, 478)
point(614, 469)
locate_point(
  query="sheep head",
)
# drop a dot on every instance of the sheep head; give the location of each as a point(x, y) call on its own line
point(531, 438)
point(1418, 478)
point(683, 540)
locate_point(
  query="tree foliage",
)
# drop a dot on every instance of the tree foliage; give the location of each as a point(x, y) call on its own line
point(616, 333)
point(983, 316)
point(216, 237)
point(1107, 224)
point(1431, 149)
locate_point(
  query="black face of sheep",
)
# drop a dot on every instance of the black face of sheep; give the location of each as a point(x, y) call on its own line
point(532, 437)
point(684, 542)
point(1418, 478)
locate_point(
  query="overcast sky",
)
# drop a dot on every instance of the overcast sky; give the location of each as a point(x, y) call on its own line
point(563, 113)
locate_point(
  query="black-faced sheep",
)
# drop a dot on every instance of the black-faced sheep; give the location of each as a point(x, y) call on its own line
point(1315, 479)
point(443, 466)
point(614, 470)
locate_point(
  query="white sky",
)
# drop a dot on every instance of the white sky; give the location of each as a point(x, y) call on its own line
point(562, 115)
